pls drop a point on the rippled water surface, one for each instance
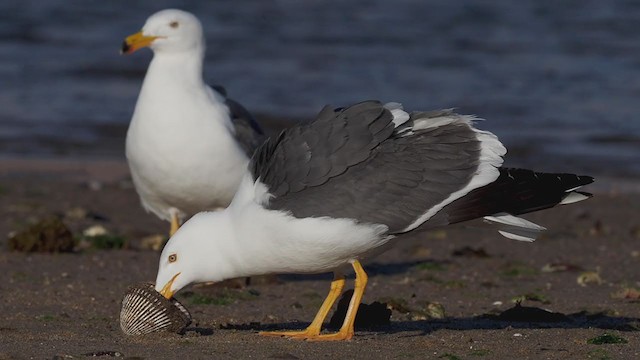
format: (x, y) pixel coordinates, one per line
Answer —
(558, 81)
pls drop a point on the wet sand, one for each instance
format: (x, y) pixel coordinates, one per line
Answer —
(67, 305)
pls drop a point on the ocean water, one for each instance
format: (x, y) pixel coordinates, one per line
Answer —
(557, 81)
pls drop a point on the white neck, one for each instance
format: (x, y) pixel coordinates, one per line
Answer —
(225, 249)
(185, 66)
(221, 252)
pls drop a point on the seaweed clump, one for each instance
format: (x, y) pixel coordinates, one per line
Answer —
(48, 235)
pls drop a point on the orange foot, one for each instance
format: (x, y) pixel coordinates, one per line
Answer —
(300, 335)
(309, 335)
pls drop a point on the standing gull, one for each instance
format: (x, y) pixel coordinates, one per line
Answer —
(188, 145)
(323, 196)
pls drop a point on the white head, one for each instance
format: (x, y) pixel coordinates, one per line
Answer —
(168, 31)
(197, 252)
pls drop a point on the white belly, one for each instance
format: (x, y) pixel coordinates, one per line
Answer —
(280, 243)
(179, 160)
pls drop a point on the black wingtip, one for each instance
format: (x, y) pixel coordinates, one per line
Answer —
(586, 179)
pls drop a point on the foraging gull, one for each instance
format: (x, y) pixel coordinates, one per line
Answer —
(321, 197)
(187, 145)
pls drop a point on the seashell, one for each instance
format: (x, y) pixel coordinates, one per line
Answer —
(144, 310)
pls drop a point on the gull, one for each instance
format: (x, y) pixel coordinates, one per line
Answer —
(323, 196)
(188, 145)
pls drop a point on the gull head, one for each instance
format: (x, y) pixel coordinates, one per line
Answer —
(197, 252)
(169, 30)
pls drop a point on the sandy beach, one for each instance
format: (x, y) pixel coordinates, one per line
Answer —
(584, 271)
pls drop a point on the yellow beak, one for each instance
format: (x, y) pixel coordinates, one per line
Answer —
(135, 42)
(166, 290)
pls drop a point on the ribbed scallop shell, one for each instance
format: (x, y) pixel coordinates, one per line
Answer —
(144, 310)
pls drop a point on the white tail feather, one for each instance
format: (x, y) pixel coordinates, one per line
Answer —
(573, 197)
(517, 237)
(515, 228)
(508, 219)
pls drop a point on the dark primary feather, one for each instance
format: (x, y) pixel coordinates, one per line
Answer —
(352, 163)
(249, 134)
(516, 191)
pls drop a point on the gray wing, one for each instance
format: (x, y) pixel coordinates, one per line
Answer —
(248, 134)
(353, 163)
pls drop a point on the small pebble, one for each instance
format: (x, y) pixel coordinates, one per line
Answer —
(435, 310)
(95, 230)
(95, 185)
(589, 277)
(76, 213)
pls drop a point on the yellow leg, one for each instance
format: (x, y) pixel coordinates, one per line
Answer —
(175, 224)
(346, 332)
(314, 329)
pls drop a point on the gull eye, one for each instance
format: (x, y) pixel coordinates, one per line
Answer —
(173, 258)
(174, 24)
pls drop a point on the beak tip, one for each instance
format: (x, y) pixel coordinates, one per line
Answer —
(166, 290)
(125, 48)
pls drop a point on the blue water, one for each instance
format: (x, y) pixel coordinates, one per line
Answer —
(558, 81)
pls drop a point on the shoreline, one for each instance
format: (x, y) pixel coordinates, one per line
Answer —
(82, 169)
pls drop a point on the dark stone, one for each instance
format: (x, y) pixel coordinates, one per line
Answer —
(369, 316)
(520, 313)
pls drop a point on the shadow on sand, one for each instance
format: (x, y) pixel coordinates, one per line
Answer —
(517, 317)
